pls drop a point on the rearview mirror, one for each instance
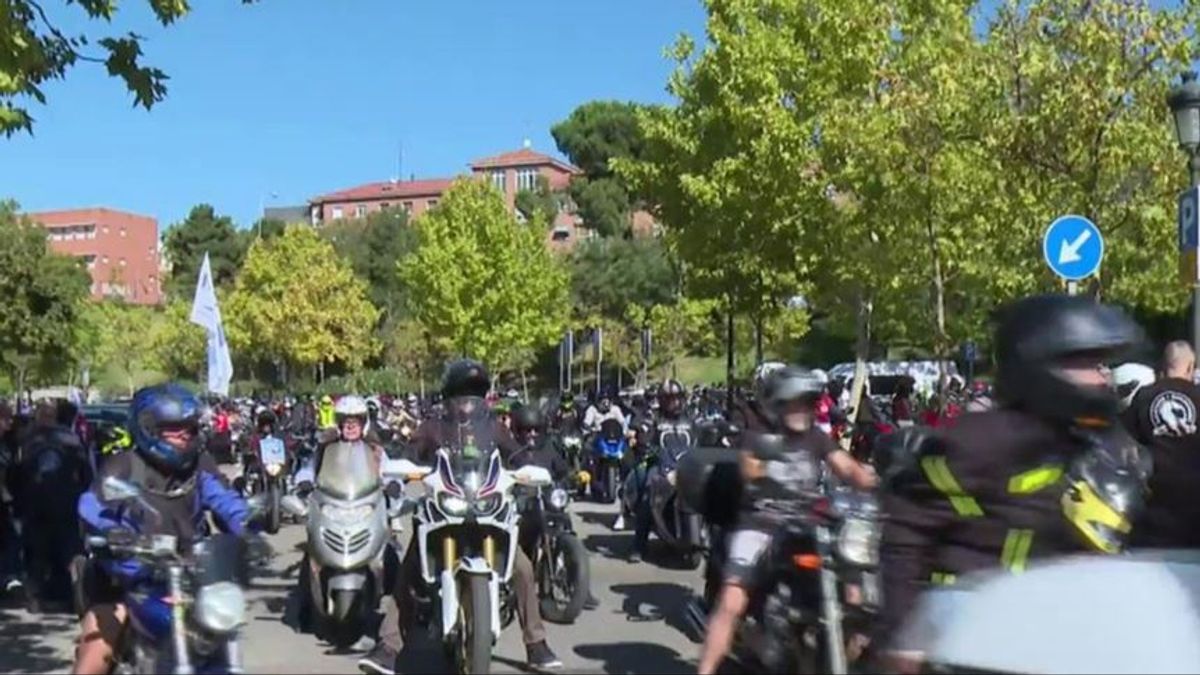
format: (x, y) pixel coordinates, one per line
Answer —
(294, 505)
(114, 489)
(532, 475)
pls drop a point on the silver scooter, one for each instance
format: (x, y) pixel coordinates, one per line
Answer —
(352, 529)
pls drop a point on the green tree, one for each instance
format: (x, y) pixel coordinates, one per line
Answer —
(603, 204)
(296, 302)
(483, 285)
(41, 294)
(124, 341)
(34, 51)
(1080, 126)
(597, 131)
(677, 330)
(266, 228)
(185, 244)
(180, 345)
(539, 204)
(608, 275)
(374, 245)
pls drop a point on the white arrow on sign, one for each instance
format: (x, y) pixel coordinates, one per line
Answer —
(1069, 252)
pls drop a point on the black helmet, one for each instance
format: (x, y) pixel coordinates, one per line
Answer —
(465, 377)
(528, 418)
(670, 397)
(789, 384)
(1036, 334)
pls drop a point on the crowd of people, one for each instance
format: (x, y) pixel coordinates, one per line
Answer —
(972, 477)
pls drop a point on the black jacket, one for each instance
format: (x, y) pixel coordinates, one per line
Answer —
(985, 493)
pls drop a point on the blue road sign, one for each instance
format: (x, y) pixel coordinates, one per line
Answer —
(1073, 247)
(1189, 219)
(970, 350)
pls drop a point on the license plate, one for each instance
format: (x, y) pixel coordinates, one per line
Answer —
(271, 451)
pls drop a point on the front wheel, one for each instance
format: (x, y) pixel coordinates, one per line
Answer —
(563, 578)
(475, 626)
(273, 510)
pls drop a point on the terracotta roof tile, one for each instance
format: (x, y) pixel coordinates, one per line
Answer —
(387, 189)
(522, 157)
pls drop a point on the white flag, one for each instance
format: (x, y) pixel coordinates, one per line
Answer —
(206, 313)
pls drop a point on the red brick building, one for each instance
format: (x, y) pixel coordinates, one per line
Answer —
(120, 249)
(510, 172)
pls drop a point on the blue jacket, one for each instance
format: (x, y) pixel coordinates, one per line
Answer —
(183, 504)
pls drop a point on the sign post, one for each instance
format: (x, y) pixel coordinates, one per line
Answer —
(1073, 248)
(1189, 261)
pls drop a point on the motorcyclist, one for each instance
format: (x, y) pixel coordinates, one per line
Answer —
(989, 492)
(52, 472)
(566, 417)
(791, 397)
(603, 410)
(661, 440)
(179, 481)
(326, 417)
(464, 386)
(375, 421)
(751, 414)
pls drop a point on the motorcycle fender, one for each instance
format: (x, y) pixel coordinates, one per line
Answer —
(350, 581)
(473, 565)
(448, 590)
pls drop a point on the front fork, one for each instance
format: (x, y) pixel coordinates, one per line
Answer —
(831, 605)
(183, 662)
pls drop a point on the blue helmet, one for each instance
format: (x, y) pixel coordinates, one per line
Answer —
(164, 405)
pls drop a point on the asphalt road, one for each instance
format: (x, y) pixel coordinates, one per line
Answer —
(638, 628)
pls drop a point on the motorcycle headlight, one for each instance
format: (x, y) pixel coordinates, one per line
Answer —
(558, 499)
(274, 469)
(572, 442)
(856, 542)
(671, 478)
(221, 607)
(347, 515)
(487, 505)
(452, 505)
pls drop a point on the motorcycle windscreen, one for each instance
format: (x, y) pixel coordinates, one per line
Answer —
(348, 471)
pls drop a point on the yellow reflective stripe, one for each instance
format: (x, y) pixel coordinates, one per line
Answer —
(1035, 479)
(938, 472)
(943, 579)
(1016, 550)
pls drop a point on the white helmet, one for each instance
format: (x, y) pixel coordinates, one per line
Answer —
(1128, 378)
(350, 406)
(762, 373)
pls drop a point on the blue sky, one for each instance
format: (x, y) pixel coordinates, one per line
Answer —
(299, 97)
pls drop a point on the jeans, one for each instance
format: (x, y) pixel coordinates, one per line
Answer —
(399, 613)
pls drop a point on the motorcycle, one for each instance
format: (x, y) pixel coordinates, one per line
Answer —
(560, 561)
(195, 625)
(467, 538)
(353, 524)
(678, 526)
(820, 586)
(610, 445)
(271, 479)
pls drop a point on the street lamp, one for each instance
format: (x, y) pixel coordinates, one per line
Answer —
(1185, 106)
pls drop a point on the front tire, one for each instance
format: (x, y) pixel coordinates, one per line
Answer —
(614, 479)
(273, 510)
(475, 626)
(564, 589)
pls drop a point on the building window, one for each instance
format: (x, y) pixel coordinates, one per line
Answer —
(337, 212)
(122, 232)
(122, 262)
(408, 207)
(498, 179)
(385, 205)
(527, 179)
(105, 260)
(360, 211)
(431, 203)
(90, 261)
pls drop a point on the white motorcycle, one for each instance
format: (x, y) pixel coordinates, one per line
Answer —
(353, 524)
(467, 539)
